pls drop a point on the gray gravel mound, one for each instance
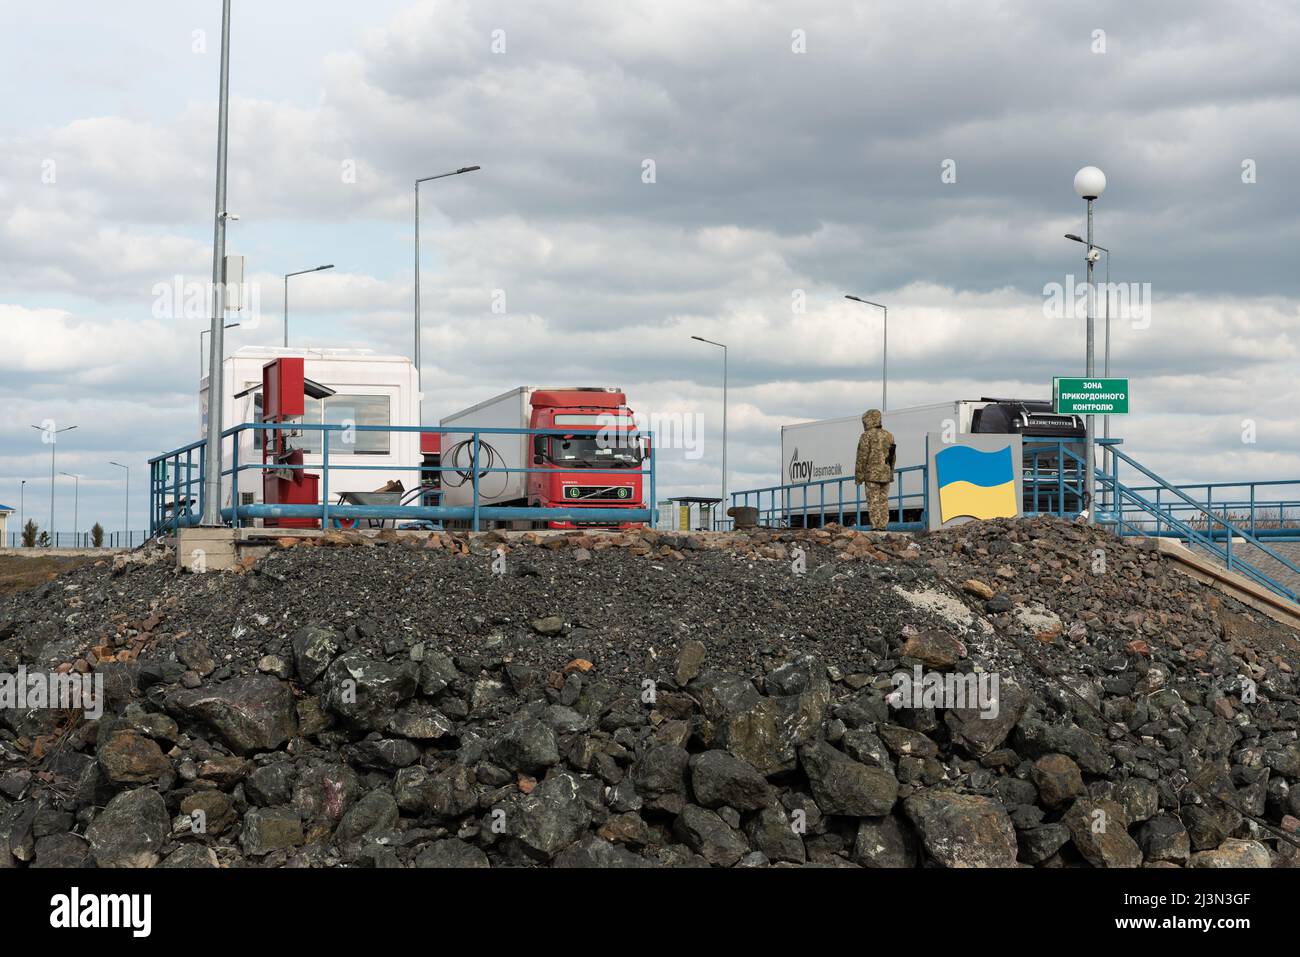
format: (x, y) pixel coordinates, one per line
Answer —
(1029, 693)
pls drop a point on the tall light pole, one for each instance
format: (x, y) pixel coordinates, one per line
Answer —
(76, 506)
(22, 507)
(300, 272)
(1106, 361)
(1090, 183)
(216, 386)
(52, 437)
(204, 332)
(724, 415)
(419, 377)
(126, 515)
(884, 353)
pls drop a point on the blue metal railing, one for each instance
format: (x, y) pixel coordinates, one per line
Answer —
(176, 487)
(1053, 485)
(1248, 504)
(837, 500)
(1135, 513)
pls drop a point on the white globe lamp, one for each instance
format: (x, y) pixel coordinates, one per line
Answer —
(1089, 182)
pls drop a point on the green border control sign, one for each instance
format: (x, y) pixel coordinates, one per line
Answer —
(1090, 396)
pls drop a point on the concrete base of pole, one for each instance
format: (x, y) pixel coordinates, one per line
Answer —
(201, 550)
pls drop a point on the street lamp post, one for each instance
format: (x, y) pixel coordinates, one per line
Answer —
(126, 512)
(884, 352)
(300, 272)
(724, 415)
(1106, 360)
(204, 332)
(52, 436)
(22, 508)
(419, 377)
(216, 399)
(76, 507)
(1090, 183)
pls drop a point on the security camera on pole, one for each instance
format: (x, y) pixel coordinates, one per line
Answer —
(1090, 183)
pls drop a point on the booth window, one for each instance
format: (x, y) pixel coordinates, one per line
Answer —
(348, 410)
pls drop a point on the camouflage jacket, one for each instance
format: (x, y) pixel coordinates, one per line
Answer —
(876, 452)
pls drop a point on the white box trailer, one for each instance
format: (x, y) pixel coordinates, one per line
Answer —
(510, 410)
(369, 389)
(812, 452)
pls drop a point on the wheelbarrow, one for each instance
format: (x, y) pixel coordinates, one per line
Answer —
(390, 494)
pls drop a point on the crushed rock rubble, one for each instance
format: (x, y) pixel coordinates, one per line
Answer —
(649, 699)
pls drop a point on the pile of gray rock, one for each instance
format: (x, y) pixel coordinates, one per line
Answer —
(1005, 694)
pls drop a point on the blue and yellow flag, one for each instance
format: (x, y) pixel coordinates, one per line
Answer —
(975, 483)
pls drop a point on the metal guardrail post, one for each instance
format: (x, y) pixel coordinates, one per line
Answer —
(176, 495)
(325, 479)
(234, 481)
(654, 501)
(1060, 487)
(474, 524)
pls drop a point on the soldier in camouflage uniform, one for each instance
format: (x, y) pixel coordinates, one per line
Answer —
(875, 467)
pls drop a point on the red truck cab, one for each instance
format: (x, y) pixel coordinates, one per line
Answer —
(600, 433)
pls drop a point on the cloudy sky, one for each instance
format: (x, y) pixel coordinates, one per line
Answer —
(919, 154)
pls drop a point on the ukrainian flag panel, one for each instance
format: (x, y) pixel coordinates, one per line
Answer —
(976, 484)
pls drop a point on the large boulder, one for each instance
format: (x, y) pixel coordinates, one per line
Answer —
(1035, 738)
(129, 758)
(377, 811)
(1099, 831)
(451, 853)
(1233, 853)
(764, 731)
(847, 787)
(719, 778)
(252, 713)
(659, 777)
(963, 830)
(885, 842)
(709, 836)
(549, 819)
(773, 832)
(323, 794)
(528, 745)
(980, 731)
(1164, 838)
(314, 648)
(367, 692)
(268, 829)
(593, 851)
(130, 831)
(1057, 778)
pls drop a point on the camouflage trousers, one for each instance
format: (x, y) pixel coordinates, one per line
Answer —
(878, 504)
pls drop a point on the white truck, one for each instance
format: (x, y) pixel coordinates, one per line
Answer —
(587, 468)
(821, 455)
